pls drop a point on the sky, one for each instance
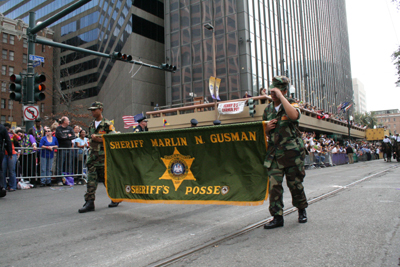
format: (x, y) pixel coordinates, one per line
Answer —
(374, 34)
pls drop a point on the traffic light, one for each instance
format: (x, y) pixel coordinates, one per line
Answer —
(252, 107)
(16, 87)
(120, 56)
(39, 87)
(168, 67)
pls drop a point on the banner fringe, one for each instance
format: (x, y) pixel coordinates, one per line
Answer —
(192, 202)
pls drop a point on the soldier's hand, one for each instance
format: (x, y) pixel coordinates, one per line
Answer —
(271, 124)
(277, 92)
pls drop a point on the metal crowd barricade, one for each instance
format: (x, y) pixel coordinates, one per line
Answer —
(66, 162)
(362, 157)
(308, 161)
(328, 159)
(319, 159)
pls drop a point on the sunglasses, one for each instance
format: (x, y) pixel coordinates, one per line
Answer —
(47, 131)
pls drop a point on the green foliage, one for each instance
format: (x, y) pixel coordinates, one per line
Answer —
(396, 54)
(367, 118)
(396, 62)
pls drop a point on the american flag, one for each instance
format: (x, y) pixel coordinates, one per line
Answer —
(129, 121)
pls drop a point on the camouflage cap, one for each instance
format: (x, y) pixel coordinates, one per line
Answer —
(96, 105)
(280, 82)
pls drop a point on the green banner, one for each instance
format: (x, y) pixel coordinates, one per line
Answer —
(198, 165)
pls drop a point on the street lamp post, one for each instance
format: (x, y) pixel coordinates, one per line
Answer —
(349, 120)
(210, 27)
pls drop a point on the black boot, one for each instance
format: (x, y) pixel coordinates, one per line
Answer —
(276, 222)
(88, 206)
(113, 204)
(302, 216)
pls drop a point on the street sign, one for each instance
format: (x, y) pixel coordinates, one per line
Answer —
(36, 58)
(36, 63)
(30, 112)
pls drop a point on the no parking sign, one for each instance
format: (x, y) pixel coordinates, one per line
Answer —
(31, 113)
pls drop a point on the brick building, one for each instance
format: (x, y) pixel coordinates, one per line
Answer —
(389, 119)
(14, 60)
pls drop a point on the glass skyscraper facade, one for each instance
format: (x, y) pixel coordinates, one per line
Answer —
(100, 25)
(255, 40)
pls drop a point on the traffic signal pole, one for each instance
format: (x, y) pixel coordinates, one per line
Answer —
(29, 89)
(91, 52)
(29, 94)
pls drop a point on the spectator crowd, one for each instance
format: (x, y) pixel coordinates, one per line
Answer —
(45, 152)
(322, 147)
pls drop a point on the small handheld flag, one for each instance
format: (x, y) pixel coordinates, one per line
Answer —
(165, 122)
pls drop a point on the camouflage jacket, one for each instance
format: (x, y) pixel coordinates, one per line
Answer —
(284, 143)
(105, 127)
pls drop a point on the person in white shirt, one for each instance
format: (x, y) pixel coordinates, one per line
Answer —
(397, 138)
(386, 139)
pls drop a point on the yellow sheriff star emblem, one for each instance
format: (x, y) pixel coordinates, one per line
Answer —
(178, 168)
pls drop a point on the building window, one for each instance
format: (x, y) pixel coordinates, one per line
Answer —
(12, 39)
(4, 54)
(24, 71)
(24, 58)
(3, 70)
(4, 87)
(25, 43)
(3, 119)
(5, 38)
(3, 103)
(12, 55)
(43, 48)
(42, 107)
(10, 119)
(10, 70)
(10, 104)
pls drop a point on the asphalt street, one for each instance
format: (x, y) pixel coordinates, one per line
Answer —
(358, 226)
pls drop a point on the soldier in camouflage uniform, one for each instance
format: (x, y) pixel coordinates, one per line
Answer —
(95, 161)
(285, 154)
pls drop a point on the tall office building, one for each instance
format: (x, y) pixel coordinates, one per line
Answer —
(360, 96)
(132, 27)
(254, 41)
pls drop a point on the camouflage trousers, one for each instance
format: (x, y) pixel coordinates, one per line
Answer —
(294, 180)
(95, 167)
(95, 175)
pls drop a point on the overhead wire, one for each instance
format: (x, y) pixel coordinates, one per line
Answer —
(391, 19)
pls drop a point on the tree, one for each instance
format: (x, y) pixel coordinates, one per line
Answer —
(396, 54)
(396, 62)
(64, 95)
(367, 119)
